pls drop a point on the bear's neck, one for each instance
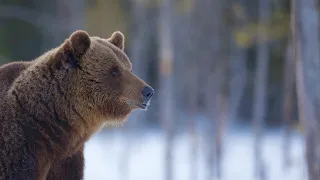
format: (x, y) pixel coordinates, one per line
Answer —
(47, 108)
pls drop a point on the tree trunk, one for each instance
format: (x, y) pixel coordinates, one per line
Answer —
(289, 78)
(193, 123)
(238, 78)
(213, 86)
(166, 86)
(222, 81)
(193, 89)
(211, 77)
(305, 30)
(261, 88)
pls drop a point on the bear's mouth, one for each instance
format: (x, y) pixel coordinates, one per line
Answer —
(140, 105)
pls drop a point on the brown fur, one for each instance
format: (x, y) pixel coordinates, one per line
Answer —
(50, 107)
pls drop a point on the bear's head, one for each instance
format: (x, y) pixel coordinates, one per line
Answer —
(102, 77)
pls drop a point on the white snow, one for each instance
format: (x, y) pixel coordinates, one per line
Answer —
(104, 155)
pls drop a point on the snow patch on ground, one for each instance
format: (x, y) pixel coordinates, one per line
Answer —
(104, 155)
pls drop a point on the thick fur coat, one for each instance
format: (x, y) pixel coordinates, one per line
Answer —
(49, 107)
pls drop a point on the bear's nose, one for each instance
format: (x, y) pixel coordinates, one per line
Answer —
(147, 92)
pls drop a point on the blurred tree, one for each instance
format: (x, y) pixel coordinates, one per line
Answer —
(288, 105)
(222, 79)
(213, 62)
(106, 16)
(208, 39)
(305, 28)
(261, 79)
(166, 81)
(246, 36)
(191, 62)
(186, 70)
(238, 69)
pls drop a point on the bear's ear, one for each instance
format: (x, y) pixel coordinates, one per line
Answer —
(117, 39)
(80, 43)
(71, 51)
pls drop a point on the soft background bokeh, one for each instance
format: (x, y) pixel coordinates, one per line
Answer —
(225, 103)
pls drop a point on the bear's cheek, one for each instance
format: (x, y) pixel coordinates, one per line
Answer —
(116, 110)
(111, 101)
(110, 96)
(125, 111)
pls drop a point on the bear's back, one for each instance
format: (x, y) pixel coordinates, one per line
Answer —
(8, 73)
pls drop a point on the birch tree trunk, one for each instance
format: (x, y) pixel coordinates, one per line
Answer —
(305, 30)
(238, 71)
(238, 82)
(289, 78)
(193, 123)
(212, 58)
(222, 82)
(166, 86)
(261, 81)
(193, 84)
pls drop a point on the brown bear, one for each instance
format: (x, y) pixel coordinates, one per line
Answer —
(49, 107)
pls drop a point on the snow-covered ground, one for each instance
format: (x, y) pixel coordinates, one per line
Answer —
(104, 155)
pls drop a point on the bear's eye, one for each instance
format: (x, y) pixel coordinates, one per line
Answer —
(115, 71)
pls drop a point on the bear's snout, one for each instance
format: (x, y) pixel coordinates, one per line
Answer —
(147, 93)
